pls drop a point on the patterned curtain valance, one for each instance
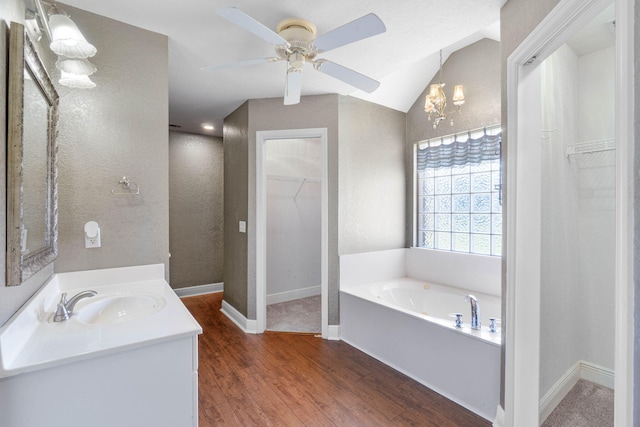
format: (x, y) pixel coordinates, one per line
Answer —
(459, 153)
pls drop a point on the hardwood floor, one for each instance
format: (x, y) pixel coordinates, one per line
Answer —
(279, 379)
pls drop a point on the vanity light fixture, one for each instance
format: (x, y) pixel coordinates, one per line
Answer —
(69, 44)
(81, 66)
(76, 81)
(66, 38)
(31, 25)
(436, 101)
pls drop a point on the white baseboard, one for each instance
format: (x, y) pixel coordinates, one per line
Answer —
(597, 374)
(248, 326)
(580, 370)
(499, 421)
(333, 333)
(293, 295)
(190, 291)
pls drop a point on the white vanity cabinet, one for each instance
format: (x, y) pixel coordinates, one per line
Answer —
(137, 373)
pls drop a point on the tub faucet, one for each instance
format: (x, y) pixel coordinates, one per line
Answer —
(65, 308)
(475, 311)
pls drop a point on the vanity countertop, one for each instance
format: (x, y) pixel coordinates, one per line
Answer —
(30, 340)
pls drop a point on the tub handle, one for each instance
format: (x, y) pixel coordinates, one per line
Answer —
(492, 325)
(458, 317)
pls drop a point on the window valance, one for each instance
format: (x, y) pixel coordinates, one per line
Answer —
(441, 153)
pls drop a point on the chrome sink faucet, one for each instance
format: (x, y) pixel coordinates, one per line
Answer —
(475, 311)
(65, 308)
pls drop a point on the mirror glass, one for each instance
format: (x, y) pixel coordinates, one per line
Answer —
(34, 167)
(31, 162)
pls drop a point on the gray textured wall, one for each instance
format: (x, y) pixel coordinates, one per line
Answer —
(372, 177)
(236, 175)
(313, 112)
(353, 126)
(196, 209)
(105, 133)
(117, 129)
(477, 68)
(636, 204)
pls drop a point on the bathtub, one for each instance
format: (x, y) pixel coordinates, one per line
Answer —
(405, 323)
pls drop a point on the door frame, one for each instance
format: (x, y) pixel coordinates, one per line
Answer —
(522, 315)
(261, 221)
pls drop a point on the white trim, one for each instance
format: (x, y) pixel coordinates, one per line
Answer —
(247, 326)
(190, 291)
(624, 332)
(261, 227)
(580, 370)
(294, 294)
(522, 315)
(558, 391)
(597, 374)
(333, 332)
(499, 420)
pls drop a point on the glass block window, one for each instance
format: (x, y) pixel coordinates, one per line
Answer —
(459, 207)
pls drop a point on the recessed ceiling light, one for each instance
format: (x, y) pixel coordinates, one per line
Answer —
(207, 126)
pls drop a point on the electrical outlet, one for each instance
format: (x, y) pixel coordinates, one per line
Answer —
(91, 235)
(92, 242)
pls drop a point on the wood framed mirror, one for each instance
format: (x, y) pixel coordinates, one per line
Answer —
(32, 172)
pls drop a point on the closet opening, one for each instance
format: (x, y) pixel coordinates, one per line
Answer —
(291, 234)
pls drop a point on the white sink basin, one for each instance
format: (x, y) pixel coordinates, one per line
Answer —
(118, 308)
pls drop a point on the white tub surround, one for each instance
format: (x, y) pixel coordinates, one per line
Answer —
(394, 306)
(433, 303)
(128, 356)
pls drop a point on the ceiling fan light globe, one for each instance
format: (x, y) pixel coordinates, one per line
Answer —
(296, 29)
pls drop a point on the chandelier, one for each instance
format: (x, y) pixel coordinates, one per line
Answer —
(436, 101)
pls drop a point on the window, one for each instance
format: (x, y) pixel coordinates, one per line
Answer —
(459, 204)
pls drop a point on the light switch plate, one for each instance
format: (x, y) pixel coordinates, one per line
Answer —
(242, 226)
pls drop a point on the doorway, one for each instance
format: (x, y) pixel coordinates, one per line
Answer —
(531, 318)
(294, 178)
(292, 231)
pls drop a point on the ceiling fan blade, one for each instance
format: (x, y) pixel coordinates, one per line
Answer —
(363, 27)
(347, 75)
(293, 87)
(241, 19)
(239, 64)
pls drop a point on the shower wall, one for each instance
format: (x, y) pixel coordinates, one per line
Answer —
(578, 200)
(294, 173)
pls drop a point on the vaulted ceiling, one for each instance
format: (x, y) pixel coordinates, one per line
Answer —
(404, 58)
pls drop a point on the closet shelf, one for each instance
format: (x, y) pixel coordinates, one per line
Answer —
(292, 178)
(591, 146)
(299, 179)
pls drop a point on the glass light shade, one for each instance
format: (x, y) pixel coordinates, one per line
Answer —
(434, 91)
(67, 40)
(458, 95)
(428, 106)
(79, 66)
(75, 81)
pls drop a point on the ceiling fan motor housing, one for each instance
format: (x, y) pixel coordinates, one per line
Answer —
(300, 33)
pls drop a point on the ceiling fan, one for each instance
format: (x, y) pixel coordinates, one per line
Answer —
(295, 41)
